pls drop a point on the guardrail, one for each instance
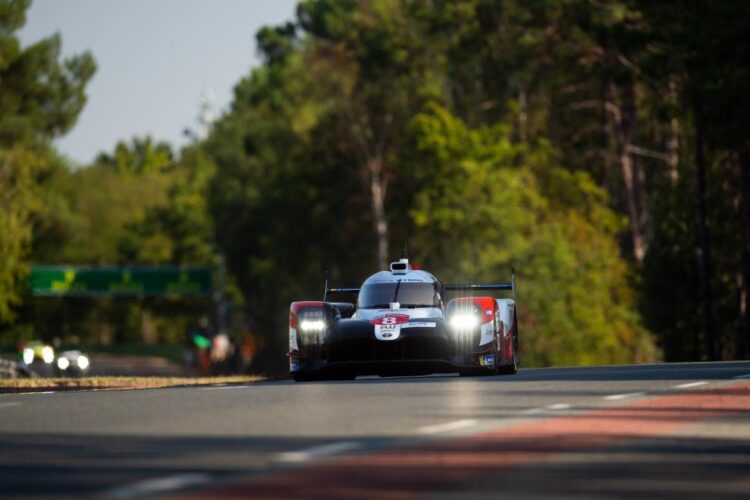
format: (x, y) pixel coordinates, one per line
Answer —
(12, 369)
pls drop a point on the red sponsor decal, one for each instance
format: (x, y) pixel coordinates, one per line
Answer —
(391, 319)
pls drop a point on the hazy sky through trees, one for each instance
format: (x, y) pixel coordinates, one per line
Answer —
(156, 59)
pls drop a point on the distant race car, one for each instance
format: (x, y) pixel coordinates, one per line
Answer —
(72, 363)
(35, 350)
(401, 326)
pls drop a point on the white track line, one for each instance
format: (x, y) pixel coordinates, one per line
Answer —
(29, 393)
(559, 406)
(9, 404)
(617, 397)
(318, 451)
(450, 426)
(747, 375)
(158, 485)
(223, 387)
(690, 384)
(533, 411)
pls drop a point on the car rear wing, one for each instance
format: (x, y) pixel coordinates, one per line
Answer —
(448, 288)
(341, 291)
(486, 287)
(338, 291)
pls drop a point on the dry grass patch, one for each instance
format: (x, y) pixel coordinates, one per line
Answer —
(53, 384)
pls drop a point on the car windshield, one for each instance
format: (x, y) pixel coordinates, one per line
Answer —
(380, 295)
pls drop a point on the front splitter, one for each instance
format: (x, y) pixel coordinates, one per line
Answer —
(396, 367)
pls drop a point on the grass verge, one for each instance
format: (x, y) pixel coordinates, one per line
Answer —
(103, 383)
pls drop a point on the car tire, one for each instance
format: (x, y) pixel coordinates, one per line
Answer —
(476, 372)
(512, 368)
(341, 376)
(305, 377)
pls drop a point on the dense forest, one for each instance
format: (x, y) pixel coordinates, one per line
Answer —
(600, 147)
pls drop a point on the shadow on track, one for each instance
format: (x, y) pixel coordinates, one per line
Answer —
(53, 465)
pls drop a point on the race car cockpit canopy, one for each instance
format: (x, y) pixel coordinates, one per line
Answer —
(406, 293)
(403, 285)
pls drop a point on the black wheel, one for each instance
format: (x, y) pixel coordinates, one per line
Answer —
(475, 372)
(340, 376)
(498, 355)
(305, 377)
(512, 368)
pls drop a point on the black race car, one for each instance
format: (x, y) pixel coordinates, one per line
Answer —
(400, 325)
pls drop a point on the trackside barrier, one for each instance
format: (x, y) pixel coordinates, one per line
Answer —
(11, 369)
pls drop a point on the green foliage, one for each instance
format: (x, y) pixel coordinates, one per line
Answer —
(177, 229)
(16, 202)
(558, 136)
(136, 206)
(278, 194)
(139, 157)
(488, 204)
(358, 82)
(41, 97)
(103, 202)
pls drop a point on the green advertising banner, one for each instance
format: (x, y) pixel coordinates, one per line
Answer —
(120, 281)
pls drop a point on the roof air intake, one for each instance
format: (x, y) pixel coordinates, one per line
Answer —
(400, 267)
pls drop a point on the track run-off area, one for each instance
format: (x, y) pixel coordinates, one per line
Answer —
(663, 430)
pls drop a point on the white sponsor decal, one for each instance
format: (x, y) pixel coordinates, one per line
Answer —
(389, 326)
(387, 332)
(488, 333)
(293, 339)
(420, 324)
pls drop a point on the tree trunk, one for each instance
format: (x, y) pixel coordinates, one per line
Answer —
(743, 340)
(673, 151)
(704, 247)
(148, 332)
(628, 178)
(673, 137)
(623, 121)
(523, 115)
(378, 188)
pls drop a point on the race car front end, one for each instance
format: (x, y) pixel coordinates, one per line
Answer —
(322, 345)
(391, 344)
(400, 326)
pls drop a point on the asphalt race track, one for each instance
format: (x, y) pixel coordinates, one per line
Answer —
(669, 430)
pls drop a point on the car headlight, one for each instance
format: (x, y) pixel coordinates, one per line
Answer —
(464, 321)
(312, 325)
(63, 363)
(48, 354)
(83, 362)
(28, 355)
